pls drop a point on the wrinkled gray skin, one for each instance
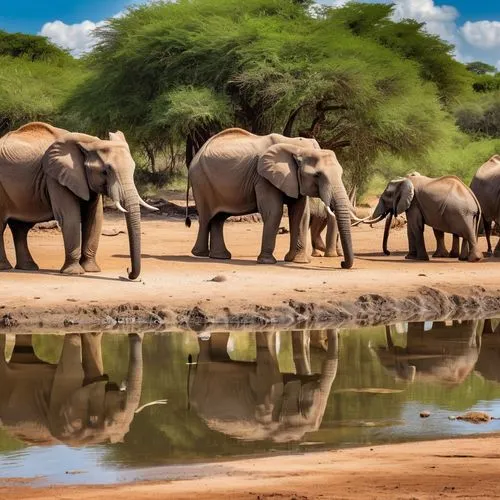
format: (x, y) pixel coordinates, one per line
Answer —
(486, 187)
(446, 204)
(48, 173)
(237, 173)
(488, 364)
(445, 354)
(253, 400)
(72, 401)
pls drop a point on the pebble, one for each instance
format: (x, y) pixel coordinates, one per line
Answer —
(424, 414)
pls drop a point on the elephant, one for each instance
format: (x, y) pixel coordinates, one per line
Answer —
(446, 354)
(71, 402)
(254, 400)
(237, 173)
(486, 187)
(488, 364)
(46, 173)
(445, 203)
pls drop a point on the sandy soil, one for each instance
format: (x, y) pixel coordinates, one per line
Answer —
(463, 468)
(177, 288)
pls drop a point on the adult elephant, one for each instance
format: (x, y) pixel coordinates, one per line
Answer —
(49, 173)
(445, 203)
(488, 364)
(237, 173)
(254, 400)
(486, 187)
(73, 401)
(446, 353)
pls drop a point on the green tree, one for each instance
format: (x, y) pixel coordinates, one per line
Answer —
(480, 68)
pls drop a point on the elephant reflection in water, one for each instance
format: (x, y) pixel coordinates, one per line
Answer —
(447, 353)
(70, 402)
(254, 400)
(488, 364)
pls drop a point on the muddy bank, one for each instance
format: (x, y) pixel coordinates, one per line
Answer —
(426, 303)
(460, 468)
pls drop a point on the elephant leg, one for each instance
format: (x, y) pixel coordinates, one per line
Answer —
(20, 230)
(416, 234)
(298, 217)
(218, 248)
(441, 251)
(464, 251)
(200, 248)
(93, 368)
(23, 351)
(301, 343)
(333, 247)
(316, 228)
(218, 346)
(455, 249)
(496, 252)
(69, 374)
(270, 205)
(473, 252)
(4, 262)
(92, 218)
(487, 233)
(66, 208)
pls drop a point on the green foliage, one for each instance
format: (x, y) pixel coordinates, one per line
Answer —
(480, 117)
(34, 90)
(32, 48)
(351, 77)
(486, 83)
(480, 68)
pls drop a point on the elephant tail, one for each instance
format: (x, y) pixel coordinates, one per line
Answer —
(188, 219)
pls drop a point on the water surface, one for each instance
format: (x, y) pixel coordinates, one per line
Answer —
(101, 408)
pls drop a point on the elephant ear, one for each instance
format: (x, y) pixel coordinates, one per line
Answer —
(279, 165)
(404, 197)
(66, 161)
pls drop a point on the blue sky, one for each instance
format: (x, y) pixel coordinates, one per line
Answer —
(473, 26)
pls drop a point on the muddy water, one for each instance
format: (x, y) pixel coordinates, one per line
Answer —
(102, 408)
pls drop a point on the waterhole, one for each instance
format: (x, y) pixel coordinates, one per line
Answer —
(108, 407)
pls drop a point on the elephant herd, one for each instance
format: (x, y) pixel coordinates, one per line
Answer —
(49, 173)
(74, 402)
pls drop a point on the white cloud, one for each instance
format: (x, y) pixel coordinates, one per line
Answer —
(440, 20)
(77, 38)
(482, 34)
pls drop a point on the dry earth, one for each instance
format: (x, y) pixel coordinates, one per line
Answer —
(461, 468)
(177, 289)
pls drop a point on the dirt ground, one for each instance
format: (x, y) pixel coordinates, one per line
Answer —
(462, 468)
(178, 288)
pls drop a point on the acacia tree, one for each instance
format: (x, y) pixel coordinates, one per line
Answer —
(181, 71)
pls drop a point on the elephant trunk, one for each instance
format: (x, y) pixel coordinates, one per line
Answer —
(131, 200)
(339, 203)
(134, 375)
(387, 228)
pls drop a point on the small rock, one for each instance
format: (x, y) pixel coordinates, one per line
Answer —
(475, 417)
(72, 300)
(425, 414)
(70, 322)
(219, 278)
(422, 274)
(299, 290)
(283, 230)
(452, 417)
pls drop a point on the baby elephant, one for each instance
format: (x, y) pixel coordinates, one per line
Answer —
(446, 204)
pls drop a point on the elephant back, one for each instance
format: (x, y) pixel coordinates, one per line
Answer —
(27, 145)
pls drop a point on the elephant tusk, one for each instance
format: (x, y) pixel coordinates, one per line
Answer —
(152, 403)
(145, 205)
(330, 211)
(374, 221)
(119, 207)
(358, 221)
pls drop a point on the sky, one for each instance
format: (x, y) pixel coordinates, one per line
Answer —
(472, 26)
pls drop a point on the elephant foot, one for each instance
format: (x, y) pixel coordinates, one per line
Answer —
(411, 256)
(29, 265)
(423, 257)
(266, 259)
(5, 265)
(316, 253)
(475, 256)
(333, 253)
(489, 253)
(441, 254)
(73, 268)
(200, 253)
(454, 255)
(90, 266)
(496, 253)
(220, 255)
(301, 258)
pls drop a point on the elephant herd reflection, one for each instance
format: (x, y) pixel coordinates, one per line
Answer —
(263, 397)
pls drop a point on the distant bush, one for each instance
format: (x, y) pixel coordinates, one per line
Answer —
(481, 117)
